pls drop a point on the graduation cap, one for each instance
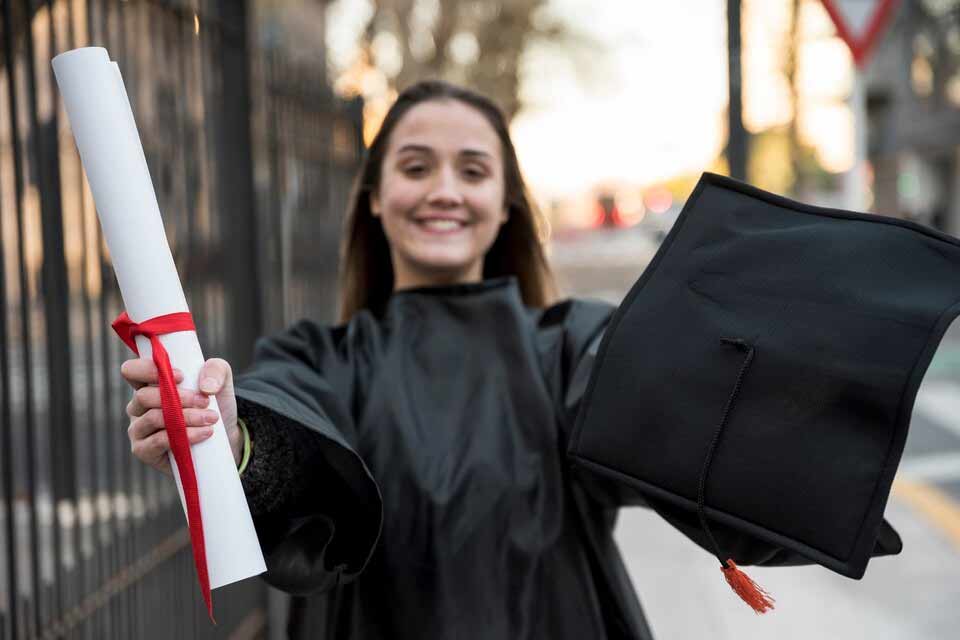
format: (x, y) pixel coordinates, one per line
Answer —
(762, 371)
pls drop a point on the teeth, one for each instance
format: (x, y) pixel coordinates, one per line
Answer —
(442, 225)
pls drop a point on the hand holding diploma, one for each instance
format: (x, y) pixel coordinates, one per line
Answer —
(149, 441)
(157, 324)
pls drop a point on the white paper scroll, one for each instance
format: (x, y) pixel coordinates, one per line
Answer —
(106, 134)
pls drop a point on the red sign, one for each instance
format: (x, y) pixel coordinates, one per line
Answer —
(860, 23)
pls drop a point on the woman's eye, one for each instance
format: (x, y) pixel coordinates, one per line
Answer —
(414, 170)
(474, 173)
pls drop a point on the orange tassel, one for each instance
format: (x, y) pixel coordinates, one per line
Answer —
(748, 590)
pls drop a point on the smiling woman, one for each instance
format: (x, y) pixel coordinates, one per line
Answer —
(407, 469)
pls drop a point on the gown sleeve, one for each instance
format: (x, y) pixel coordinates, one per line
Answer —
(584, 323)
(570, 334)
(316, 507)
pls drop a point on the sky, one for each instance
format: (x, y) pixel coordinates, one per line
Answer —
(655, 110)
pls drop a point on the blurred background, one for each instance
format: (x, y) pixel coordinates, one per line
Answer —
(253, 115)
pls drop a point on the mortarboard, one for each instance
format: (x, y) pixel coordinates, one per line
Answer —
(761, 373)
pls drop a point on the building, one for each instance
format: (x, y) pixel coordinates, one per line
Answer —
(913, 106)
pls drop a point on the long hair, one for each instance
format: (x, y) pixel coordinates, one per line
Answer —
(366, 274)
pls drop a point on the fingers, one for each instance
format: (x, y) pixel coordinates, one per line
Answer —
(153, 449)
(149, 440)
(215, 374)
(140, 372)
(148, 397)
(152, 421)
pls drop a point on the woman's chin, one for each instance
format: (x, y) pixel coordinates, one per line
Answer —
(443, 259)
(445, 269)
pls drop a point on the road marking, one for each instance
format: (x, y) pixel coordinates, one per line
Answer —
(934, 467)
(939, 402)
(935, 505)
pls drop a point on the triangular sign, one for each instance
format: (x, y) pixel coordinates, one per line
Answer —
(860, 23)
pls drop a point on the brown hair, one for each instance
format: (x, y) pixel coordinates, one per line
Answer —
(366, 276)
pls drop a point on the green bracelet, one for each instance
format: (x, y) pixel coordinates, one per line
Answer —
(247, 446)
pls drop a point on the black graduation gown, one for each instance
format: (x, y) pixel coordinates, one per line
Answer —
(437, 500)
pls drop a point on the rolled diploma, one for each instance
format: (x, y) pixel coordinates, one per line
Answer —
(106, 134)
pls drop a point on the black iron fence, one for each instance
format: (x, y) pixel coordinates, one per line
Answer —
(251, 158)
(303, 177)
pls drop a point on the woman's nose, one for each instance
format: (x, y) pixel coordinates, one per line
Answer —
(446, 189)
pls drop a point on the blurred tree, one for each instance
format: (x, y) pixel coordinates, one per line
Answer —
(777, 159)
(477, 43)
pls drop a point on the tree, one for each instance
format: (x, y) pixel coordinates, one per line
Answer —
(477, 43)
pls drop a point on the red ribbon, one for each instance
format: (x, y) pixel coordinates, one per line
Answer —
(175, 425)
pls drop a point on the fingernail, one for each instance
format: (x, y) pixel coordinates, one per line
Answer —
(207, 432)
(208, 384)
(177, 373)
(210, 417)
(202, 400)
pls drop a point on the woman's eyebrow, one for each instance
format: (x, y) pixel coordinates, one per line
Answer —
(421, 148)
(415, 147)
(475, 153)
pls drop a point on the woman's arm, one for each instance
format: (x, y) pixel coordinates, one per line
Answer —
(316, 507)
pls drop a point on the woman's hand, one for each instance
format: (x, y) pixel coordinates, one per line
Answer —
(147, 431)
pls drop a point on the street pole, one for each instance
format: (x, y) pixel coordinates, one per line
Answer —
(737, 135)
(793, 45)
(861, 24)
(855, 180)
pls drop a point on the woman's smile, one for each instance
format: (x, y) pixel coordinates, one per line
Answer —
(440, 225)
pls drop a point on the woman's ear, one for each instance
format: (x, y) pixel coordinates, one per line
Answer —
(374, 204)
(505, 214)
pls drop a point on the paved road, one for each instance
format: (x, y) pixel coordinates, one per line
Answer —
(915, 595)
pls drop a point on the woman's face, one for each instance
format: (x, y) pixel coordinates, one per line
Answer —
(441, 194)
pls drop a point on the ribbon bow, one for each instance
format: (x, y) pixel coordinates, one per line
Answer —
(175, 425)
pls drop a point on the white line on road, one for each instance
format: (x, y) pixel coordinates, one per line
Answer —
(936, 467)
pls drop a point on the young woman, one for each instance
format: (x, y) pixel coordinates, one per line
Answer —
(408, 475)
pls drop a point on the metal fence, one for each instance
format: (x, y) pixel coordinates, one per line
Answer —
(303, 176)
(92, 543)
